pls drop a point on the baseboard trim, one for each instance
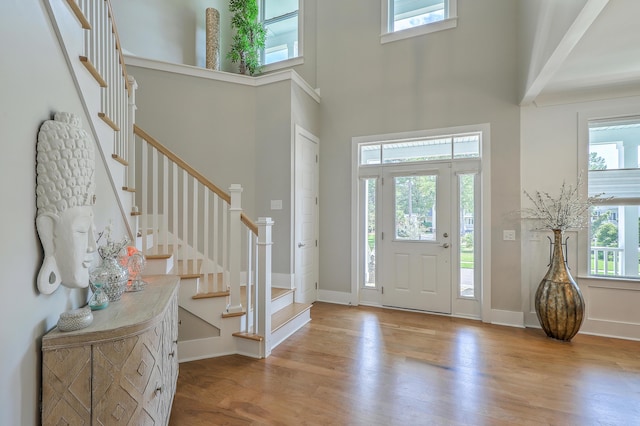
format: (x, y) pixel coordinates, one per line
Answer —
(508, 318)
(338, 297)
(193, 350)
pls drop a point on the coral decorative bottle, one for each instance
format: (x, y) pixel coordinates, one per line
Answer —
(559, 301)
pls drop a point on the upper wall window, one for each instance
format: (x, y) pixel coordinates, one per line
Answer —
(281, 20)
(409, 18)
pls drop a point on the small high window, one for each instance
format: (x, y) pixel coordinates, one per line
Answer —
(281, 20)
(409, 18)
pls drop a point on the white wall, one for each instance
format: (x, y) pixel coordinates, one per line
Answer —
(210, 124)
(231, 133)
(461, 76)
(273, 166)
(551, 137)
(174, 31)
(171, 30)
(35, 83)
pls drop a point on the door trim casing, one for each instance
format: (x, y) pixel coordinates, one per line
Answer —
(485, 205)
(300, 131)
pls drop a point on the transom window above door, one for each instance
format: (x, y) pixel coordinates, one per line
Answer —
(409, 18)
(454, 147)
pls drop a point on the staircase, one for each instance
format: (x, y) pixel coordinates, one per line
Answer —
(183, 223)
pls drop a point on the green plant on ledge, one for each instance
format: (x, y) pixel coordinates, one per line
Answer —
(249, 36)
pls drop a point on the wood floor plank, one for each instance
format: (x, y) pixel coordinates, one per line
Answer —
(369, 366)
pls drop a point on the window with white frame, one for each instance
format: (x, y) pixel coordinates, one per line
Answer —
(409, 18)
(281, 20)
(614, 170)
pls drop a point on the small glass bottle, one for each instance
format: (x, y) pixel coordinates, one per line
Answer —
(99, 299)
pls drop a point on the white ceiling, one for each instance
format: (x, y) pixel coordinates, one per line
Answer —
(605, 59)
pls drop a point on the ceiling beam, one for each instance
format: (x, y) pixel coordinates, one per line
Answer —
(576, 31)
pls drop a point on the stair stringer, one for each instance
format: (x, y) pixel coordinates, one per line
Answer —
(71, 38)
(210, 310)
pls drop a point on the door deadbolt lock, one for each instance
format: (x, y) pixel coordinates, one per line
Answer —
(300, 245)
(446, 234)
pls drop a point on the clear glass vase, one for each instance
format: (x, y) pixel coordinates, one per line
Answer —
(110, 277)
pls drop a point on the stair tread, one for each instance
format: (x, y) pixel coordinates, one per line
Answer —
(158, 255)
(288, 313)
(250, 336)
(211, 295)
(277, 292)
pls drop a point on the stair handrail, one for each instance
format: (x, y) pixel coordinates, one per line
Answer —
(193, 172)
(118, 48)
(256, 303)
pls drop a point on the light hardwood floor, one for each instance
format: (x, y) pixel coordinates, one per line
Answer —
(369, 366)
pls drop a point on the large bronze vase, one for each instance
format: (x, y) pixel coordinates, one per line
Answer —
(559, 302)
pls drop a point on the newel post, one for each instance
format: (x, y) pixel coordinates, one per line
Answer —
(264, 282)
(235, 248)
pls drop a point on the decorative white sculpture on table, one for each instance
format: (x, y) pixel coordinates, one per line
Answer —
(65, 196)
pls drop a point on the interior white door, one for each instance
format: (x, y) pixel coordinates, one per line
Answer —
(416, 242)
(306, 216)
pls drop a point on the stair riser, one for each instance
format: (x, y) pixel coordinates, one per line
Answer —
(209, 310)
(248, 347)
(158, 266)
(282, 302)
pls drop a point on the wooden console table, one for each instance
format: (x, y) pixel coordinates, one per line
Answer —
(122, 369)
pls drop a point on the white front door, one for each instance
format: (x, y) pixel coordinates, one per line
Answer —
(415, 265)
(306, 216)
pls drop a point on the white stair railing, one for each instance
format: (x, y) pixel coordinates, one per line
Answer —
(204, 226)
(103, 58)
(107, 91)
(199, 224)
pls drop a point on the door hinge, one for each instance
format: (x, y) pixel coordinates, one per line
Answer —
(316, 286)
(382, 290)
(316, 243)
(382, 235)
(316, 201)
(316, 158)
(382, 180)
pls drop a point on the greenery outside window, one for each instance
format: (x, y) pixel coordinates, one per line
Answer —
(409, 18)
(614, 169)
(281, 20)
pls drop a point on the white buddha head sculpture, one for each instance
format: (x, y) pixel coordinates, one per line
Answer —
(65, 196)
